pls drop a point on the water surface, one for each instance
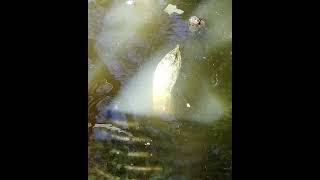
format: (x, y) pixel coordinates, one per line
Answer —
(126, 42)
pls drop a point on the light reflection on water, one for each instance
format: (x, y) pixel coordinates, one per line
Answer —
(125, 44)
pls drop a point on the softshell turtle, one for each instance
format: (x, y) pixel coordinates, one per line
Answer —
(164, 79)
(196, 24)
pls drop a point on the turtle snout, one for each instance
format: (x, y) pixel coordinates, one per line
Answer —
(196, 22)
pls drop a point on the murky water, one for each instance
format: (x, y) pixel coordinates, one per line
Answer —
(126, 42)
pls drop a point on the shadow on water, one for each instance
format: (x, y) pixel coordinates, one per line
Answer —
(129, 145)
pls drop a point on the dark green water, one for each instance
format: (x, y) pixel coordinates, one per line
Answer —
(125, 44)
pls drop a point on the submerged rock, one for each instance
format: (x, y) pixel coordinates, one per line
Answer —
(170, 9)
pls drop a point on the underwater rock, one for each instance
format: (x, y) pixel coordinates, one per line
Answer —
(170, 9)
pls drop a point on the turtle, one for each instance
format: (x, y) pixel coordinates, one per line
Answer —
(196, 24)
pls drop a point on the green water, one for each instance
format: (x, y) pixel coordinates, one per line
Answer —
(125, 44)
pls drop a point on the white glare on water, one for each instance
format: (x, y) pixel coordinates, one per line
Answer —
(136, 97)
(130, 2)
(121, 22)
